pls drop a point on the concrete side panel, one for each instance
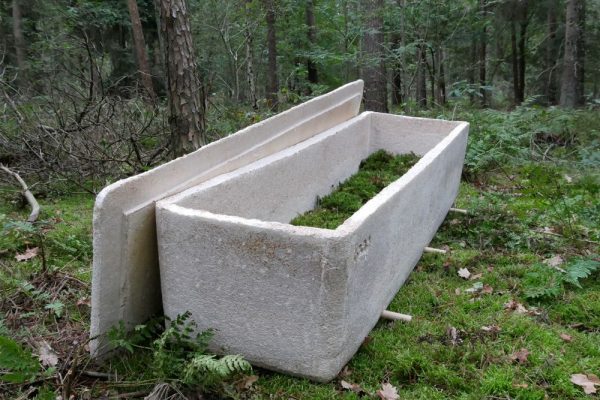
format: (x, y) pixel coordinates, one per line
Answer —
(388, 233)
(125, 282)
(281, 186)
(271, 292)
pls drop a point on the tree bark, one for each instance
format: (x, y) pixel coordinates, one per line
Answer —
(250, 77)
(373, 70)
(522, 44)
(18, 36)
(139, 45)
(550, 81)
(272, 78)
(186, 104)
(571, 93)
(312, 40)
(483, 56)
(421, 91)
(441, 78)
(515, 63)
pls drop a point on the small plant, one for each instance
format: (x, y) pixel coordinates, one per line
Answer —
(17, 365)
(179, 354)
(543, 282)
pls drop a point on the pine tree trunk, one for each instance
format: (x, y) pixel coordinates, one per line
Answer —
(521, 52)
(550, 81)
(139, 45)
(272, 79)
(421, 91)
(515, 63)
(312, 40)
(185, 101)
(250, 78)
(571, 93)
(483, 56)
(441, 78)
(18, 36)
(373, 70)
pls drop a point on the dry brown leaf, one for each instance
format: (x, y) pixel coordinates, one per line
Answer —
(520, 356)
(464, 273)
(516, 307)
(487, 289)
(587, 382)
(351, 386)
(566, 338)
(475, 277)
(457, 291)
(453, 336)
(29, 254)
(491, 328)
(47, 356)
(388, 392)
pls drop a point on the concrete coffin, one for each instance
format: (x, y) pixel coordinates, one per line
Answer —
(300, 300)
(125, 281)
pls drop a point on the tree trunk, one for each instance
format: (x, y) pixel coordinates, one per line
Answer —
(139, 45)
(397, 73)
(18, 36)
(185, 101)
(373, 70)
(421, 92)
(571, 93)
(250, 78)
(522, 42)
(272, 79)
(441, 78)
(550, 81)
(312, 40)
(483, 56)
(515, 63)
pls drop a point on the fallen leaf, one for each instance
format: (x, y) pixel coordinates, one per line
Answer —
(487, 289)
(587, 382)
(477, 287)
(554, 262)
(47, 356)
(491, 328)
(566, 338)
(453, 335)
(351, 386)
(490, 268)
(516, 307)
(84, 301)
(464, 273)
(345, 372)
(474, 277)
(568, 178)
(29, 254)
(457, 291)
(520, 356)
(388, 392)
(246, 382)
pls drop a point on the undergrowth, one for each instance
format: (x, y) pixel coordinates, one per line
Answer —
(374, 173)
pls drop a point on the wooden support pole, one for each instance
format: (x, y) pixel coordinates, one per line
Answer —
(459, 210)
(394, 316)
(432, 250)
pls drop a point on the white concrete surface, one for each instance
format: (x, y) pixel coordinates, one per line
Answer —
(300, 300)
(125, 281)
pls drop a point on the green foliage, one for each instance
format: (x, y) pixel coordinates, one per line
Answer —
(543, 282)
(375, 173)
(178, 354)
(17, 365)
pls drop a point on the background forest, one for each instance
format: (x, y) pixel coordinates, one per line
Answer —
(92, 91)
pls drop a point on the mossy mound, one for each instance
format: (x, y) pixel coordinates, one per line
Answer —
(375, 172)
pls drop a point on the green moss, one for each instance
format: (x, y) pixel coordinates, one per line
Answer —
(375, 173)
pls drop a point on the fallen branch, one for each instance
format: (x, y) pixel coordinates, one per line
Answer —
(35, 207)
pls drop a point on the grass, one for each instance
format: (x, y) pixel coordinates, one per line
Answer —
(466, 333)
(374, 173)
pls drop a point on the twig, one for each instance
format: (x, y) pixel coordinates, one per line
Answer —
(96, 374)
(35, 207)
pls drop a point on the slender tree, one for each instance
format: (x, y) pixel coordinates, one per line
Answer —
(483, 54)
(571, 92)
(18, 36)
(139, 45)
(373, 69)
(186, 104)
(421, 90)
(311, 67)
(272, 78)
(248, 43)
(550, 76)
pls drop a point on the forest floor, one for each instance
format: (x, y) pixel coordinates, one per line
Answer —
(512, 311)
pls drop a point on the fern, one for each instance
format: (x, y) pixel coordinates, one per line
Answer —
(205, 368)
(580, 269)
(542, 284)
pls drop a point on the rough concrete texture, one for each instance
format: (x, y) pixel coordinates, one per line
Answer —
(125, 281)
(300, 300)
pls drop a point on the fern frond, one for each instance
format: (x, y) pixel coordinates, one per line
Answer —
(236, 363)
(580, 269)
